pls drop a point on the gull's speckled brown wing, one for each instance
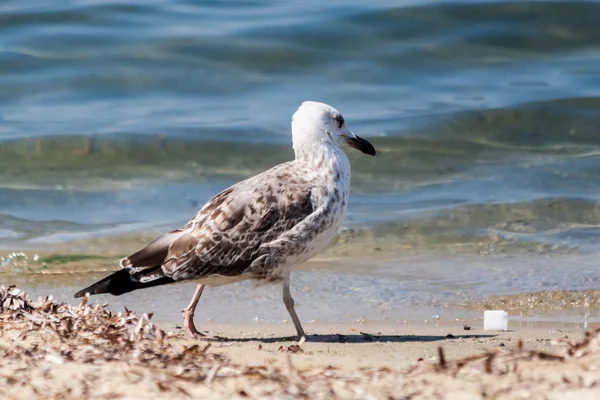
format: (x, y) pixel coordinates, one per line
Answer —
(226, 235)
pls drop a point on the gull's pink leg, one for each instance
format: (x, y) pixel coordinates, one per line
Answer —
(188, 315)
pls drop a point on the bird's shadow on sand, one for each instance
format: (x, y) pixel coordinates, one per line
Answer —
(355, 338)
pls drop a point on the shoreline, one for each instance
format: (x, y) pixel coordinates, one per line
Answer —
(331, 290)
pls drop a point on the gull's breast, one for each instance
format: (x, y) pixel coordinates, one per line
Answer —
(324, 229)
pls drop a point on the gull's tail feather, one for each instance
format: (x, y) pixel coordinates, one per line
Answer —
(122, 282)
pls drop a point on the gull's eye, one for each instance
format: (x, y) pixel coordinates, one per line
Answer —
(340, 121)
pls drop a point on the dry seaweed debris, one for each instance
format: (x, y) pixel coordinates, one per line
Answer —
(92, 334)
(504, 361)
(589, 345)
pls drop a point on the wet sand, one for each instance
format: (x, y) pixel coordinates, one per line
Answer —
(336, 289)
(542, 302)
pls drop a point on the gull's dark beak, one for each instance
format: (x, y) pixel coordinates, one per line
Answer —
(360, 144)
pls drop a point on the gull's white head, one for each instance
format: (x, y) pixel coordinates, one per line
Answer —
(316, 126)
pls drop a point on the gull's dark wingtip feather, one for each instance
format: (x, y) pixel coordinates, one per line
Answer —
(122, 282)
(116, 282)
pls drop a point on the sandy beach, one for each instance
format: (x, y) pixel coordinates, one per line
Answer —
(53, 350)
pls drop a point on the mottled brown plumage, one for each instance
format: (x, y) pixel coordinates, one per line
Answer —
(231, 233)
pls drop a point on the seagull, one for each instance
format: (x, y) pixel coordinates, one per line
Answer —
(259, 228)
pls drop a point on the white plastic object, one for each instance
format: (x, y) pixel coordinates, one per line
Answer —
(495, 320)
